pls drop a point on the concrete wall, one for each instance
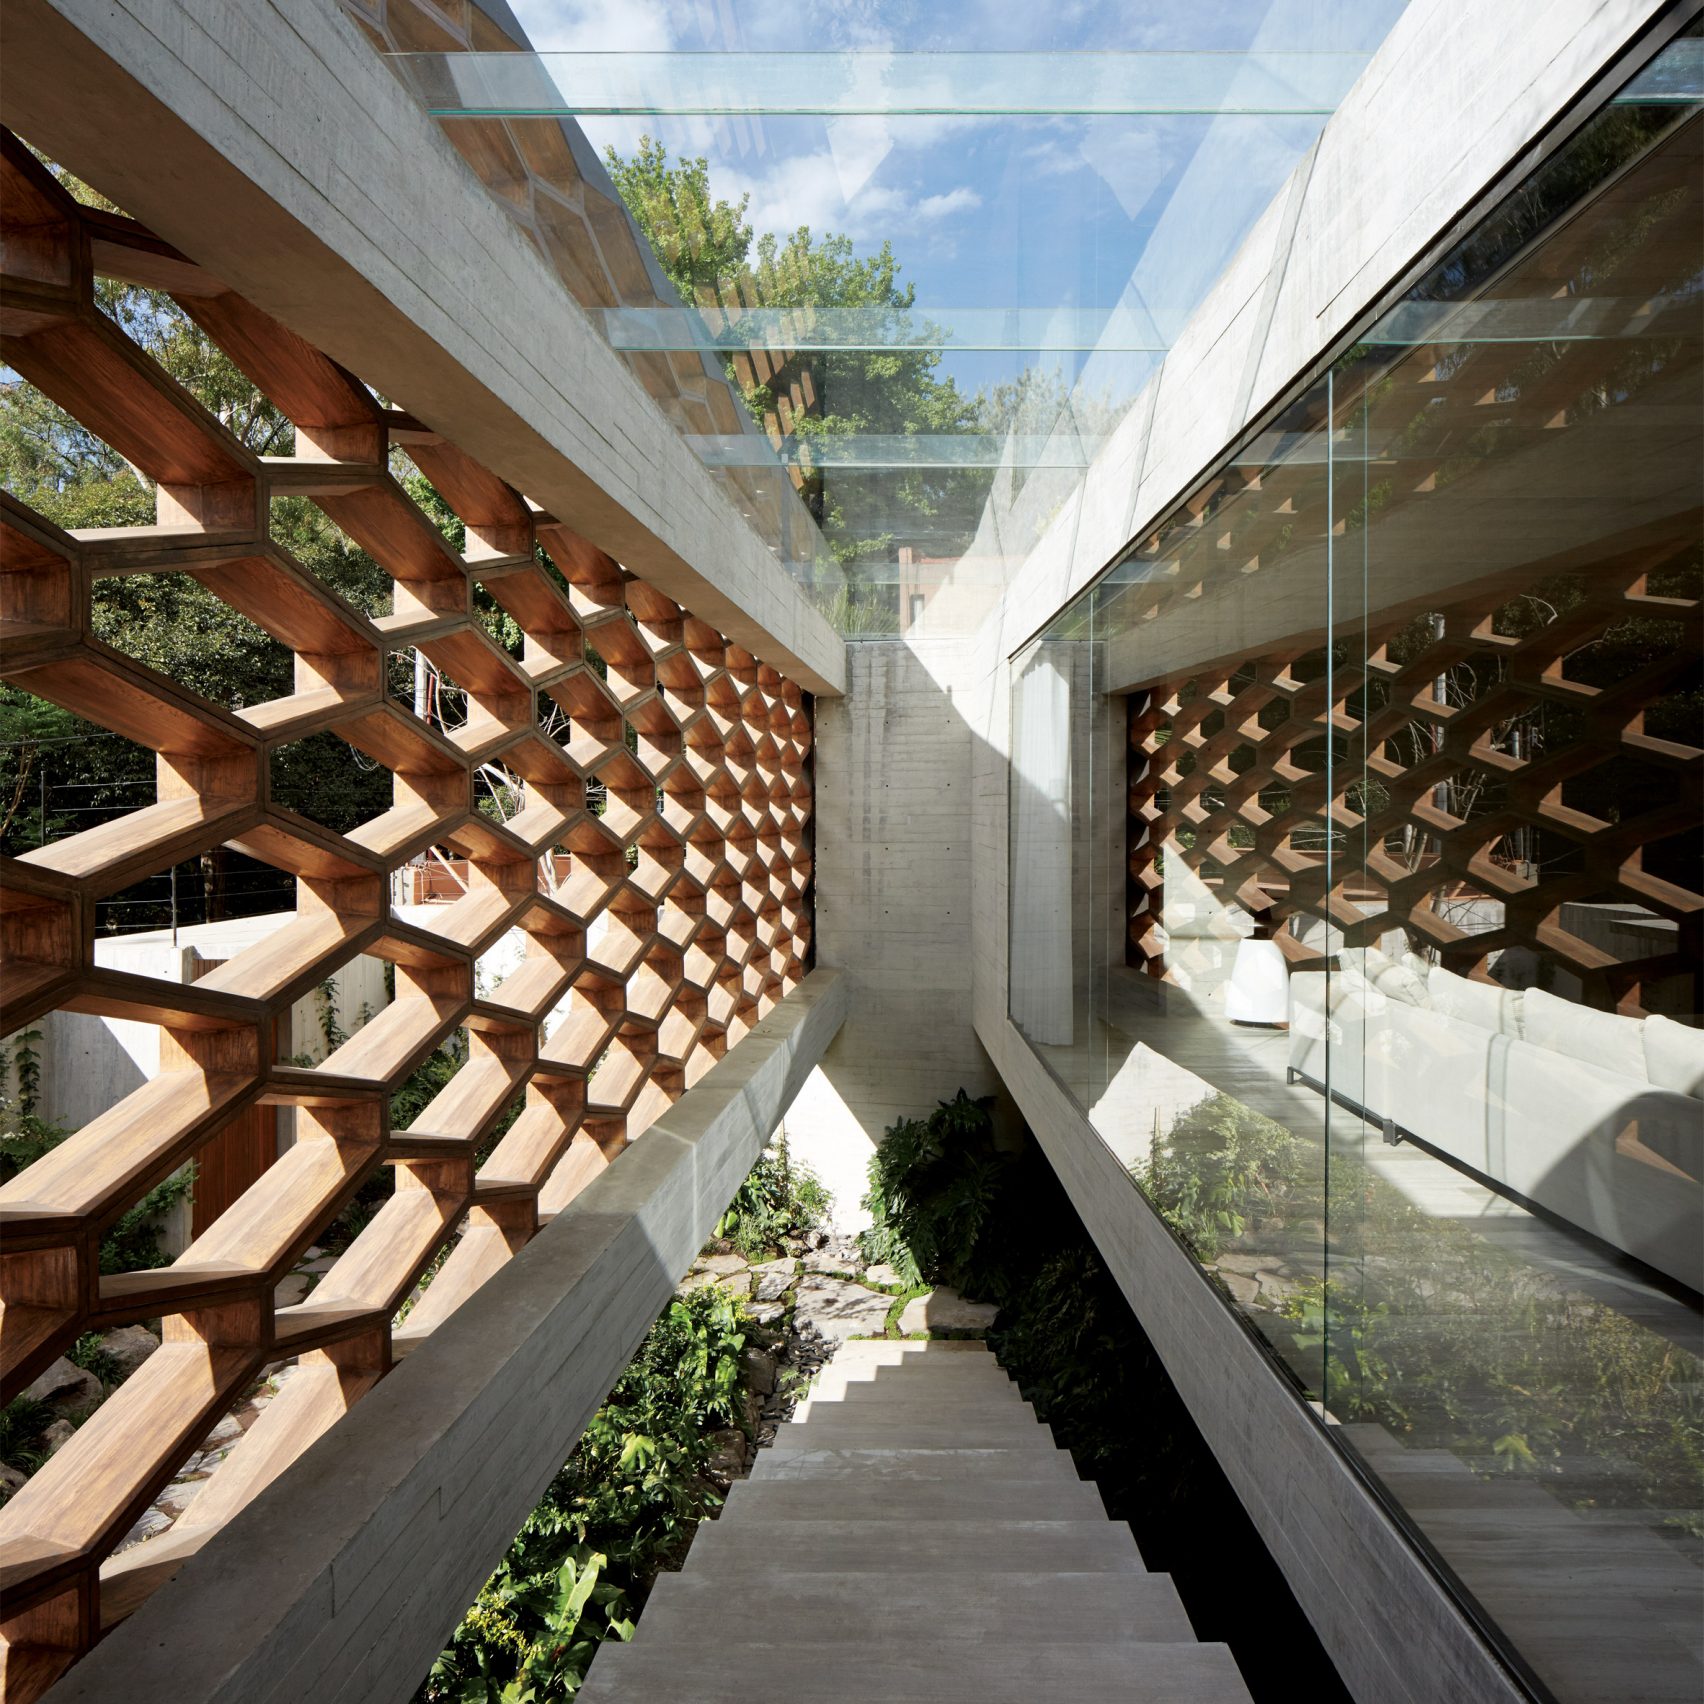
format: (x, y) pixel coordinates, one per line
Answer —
(893, 911)
(341, 1581)
(283, 155)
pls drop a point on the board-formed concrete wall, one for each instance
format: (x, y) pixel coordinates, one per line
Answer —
(341, 1581)
(894, 762)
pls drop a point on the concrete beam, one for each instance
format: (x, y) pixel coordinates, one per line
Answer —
(274, 147)
(1394, 1634)
(342, 1581)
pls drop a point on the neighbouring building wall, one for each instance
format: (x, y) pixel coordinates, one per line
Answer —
(895, 759)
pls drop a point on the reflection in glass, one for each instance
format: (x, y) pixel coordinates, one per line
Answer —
(1392, 738)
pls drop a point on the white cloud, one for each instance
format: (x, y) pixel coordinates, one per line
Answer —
(595, 26)
(960, 200)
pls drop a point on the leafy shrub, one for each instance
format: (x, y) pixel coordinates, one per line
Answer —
(934, 1184)
(623, 1506)
(88, 1354)
(778, 1199)
(1221, 1167)
(22, 1422)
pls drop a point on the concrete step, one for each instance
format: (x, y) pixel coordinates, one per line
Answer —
(860, 1546)
(919, 1387)
(876, 1467)
(925, 1404)
(945, 1402)
(950, 1417)
(896, 1352)
(733, 1671)
(952, 1372)
(1042, 1499)
(902, 1604)
(843, 1434)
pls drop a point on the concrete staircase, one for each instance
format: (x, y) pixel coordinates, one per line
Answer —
(914, 1533)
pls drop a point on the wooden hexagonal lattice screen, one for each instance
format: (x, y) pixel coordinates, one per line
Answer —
(1484, 779)
(654, 849)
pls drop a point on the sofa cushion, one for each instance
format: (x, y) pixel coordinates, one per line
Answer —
(1485, 1005)
(1674, 1056)
(1395, 980)
(1602, 1039)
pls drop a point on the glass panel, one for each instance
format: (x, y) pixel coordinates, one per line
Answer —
(916, 288)
(1516, 1224)
(1357, 837)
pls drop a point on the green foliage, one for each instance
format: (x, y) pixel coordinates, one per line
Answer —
(712, 254)
(88, 1354)
(777, 1199)
(22, 1422)
(623, 1506)
(1428, 1329)
(934, 1183)
(133, 1243)
(1221, 1167)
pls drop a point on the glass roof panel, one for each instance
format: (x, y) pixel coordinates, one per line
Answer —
(932, 280)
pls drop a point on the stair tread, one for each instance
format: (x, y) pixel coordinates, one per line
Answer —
(949, 1500)
(877, 1467)
(1181, 1672)
(841, 1608)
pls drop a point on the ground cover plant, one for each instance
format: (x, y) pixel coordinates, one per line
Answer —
(1417, 1324)
(626, 1502)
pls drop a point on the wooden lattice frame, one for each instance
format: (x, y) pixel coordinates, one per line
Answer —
(1205, 750)
(700, 864)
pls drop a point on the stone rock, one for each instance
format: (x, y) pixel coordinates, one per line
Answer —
(226, 1433)
(787, 1263)
(827, 1260)
(944, 1309)
(319, 1265)
(153, 1521)
(817, 1239)
(736, 1284)
(885, 1276)
(772, 1284)
(67, 1389)
(760, 1370)
(720, 1264)
(12, 1480)
(839, 1309)
(178, 1496)
(1243, 1289)
(58, 1435)
(130, 1346)
(1247, 1264)
(768, 1313)
(292, 1288)
(728, 1453)
(695, 1281)
(751, 1408)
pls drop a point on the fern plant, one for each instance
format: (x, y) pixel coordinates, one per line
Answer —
(934, 1186)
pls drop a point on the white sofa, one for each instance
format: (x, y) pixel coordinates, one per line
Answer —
(1597, 1118)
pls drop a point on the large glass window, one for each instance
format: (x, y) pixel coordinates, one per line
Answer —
(1356, 826)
